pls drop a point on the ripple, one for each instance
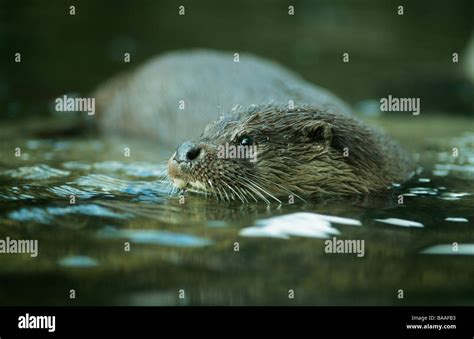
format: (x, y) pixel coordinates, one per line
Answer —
(67, 191)
(455, 219)
(461, 165)
(31, 214)
(424, 191)
(338, 220)
(88, 209)
(302, 224)
(400, 222)
(136, 169)
(38, 172)
(47, 215)
(13, 194)
(453, 195)
(156, 237)
(78, 261)
(449, 249)
(98, 183)
(104, 184)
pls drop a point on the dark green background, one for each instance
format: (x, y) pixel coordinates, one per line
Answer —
(405, 55)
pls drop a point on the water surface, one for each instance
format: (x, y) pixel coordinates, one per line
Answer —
(109, 228)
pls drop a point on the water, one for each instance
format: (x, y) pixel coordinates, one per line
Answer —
(108, 228)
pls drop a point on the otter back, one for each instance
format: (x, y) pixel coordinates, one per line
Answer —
(174, 96)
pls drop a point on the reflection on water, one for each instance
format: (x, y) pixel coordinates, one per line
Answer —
(450, 249)
(111, 228)
(46, 215)
(310, 225)
(78, 261)
(155, 237)
(400, 222)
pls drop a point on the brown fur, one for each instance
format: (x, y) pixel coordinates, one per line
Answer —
(300, 152)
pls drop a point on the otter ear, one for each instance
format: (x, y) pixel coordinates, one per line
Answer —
(318, 131)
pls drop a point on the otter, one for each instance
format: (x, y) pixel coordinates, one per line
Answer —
(304, 151)
(173, 96)
(306, 141)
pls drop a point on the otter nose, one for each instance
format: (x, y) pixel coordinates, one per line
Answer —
(187, 152)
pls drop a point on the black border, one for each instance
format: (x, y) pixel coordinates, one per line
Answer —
(192, 321)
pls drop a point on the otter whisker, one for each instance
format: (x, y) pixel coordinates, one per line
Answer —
(220, 193)
(262, 189)
(213, 191)
(256, 191)
(163, 172)
(250, 193)
(241, 199)
(276, 184)
(225, 192)
(243, 191)
(234, 192)
(237, 188)
(171, 189)
(265, 191)
(232, 197)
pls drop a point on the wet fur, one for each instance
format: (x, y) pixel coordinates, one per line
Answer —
(300, 152)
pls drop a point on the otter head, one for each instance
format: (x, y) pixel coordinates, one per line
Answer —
(266, 152)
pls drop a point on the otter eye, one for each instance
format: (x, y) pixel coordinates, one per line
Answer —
(245, 140)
